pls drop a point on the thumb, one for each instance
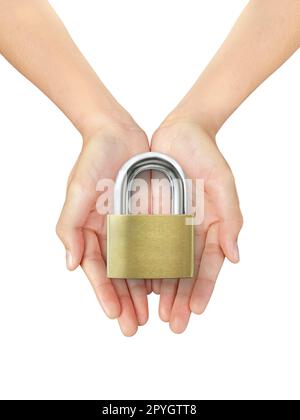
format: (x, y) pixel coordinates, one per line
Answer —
(228, 237)
(225, 196)
(75, 211)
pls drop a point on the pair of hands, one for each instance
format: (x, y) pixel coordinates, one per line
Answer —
(83, 230)
(34, 41)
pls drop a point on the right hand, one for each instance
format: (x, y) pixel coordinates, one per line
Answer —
(216, 237)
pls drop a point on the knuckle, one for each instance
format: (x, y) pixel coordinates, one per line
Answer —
(213, 249)
(209, 279)
(59, 230)
(75, 188)
(227, 176)
(240, 221)
(91, 256)
(78, 190)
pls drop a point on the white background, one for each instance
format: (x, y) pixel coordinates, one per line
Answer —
(54, 340)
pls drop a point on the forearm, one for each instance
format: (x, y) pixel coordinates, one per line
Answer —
(34, 41)
(263, 38)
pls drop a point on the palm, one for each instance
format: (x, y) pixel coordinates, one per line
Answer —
(93, 165)
(200, 159)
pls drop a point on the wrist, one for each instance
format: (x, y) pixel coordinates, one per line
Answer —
(195, 110)
(115, 120)
(205, 105)
(185, 119)
(181, 116)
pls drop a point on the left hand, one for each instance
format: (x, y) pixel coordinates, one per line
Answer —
(216, 237)
(82, 228)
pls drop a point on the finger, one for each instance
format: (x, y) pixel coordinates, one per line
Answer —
(224, 194)
(181, 312)
(94, 268)
(138, 293)
(156, 285)
(210, 266)
(228, 237)
(127, 320)
(149, 286)
(180, 307)
(167, 296)
(73, 216)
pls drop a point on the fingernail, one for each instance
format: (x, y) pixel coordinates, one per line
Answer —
(112, 311)
(69, 259)
(198, 306)
(235, 253)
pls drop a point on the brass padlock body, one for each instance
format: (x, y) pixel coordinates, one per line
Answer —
(150, 246)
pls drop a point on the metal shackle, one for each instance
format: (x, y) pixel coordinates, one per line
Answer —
(150, 161)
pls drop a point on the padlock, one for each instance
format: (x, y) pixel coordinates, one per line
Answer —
(150, 246)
